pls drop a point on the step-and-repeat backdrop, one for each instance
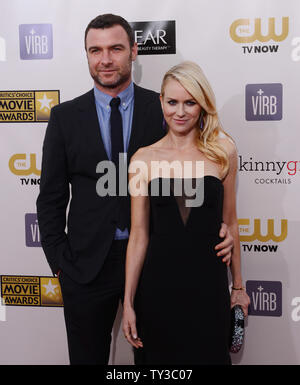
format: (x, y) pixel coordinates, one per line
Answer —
(250, 52)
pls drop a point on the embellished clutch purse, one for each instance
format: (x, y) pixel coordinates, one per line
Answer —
(237, 329)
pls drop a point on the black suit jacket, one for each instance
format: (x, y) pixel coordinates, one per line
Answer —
(72, 149)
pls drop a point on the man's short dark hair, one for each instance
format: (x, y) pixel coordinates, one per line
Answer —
(109, 20)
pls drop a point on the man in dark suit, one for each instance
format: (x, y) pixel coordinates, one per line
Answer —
(90, 257)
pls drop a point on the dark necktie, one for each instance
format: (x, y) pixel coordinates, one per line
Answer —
(116, 131)
(117, 146)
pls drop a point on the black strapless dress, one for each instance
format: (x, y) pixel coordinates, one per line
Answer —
(182, 302)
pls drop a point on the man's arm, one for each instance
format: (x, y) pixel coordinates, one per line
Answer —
(54, 195)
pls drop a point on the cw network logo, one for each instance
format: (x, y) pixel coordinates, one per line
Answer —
(36, 41)
(25, 165)
(264, 101)
(265, 297)
(249, 31)
(257, 232)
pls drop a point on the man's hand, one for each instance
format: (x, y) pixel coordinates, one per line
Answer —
(226, 246)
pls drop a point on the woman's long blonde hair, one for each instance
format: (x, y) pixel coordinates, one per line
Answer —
(192, 78)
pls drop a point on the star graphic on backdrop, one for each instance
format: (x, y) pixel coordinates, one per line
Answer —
(50, 288)
(45, 102)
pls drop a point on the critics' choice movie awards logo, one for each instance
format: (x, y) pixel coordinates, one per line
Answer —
(259, 31)
(30, 291)
(266, 298)
(32, 231)
(155, 37)
(277, 172)
(24, 165)
(36, 41)
(27, 106)
(264, 101)
(262, 231)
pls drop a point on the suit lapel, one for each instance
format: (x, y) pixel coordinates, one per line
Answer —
(90, 124)
(138, 126)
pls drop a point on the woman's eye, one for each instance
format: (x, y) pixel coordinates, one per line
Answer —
(172, 102)
(190, 103)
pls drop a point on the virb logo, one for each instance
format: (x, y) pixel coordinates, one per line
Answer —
(265, 297)
(36, 41)
(32, 232)
(264, 101)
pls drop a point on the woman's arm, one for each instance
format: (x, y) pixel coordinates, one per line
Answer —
(230, 218)
(137, 247)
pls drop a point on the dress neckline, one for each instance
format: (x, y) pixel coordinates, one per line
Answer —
(184, 217)
(205, 176)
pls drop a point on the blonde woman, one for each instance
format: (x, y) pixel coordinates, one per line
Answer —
(177, 303)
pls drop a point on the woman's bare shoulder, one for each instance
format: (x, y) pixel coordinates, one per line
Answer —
(228, 144)
(146, 153)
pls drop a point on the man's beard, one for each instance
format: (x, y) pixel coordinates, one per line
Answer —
(123, 78)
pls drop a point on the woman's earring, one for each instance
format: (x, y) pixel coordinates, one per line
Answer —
(201, 120)
(164, 124)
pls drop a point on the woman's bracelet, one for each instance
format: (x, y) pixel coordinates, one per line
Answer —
(238, 288)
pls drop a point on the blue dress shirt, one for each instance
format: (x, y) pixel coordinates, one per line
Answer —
(126, 110)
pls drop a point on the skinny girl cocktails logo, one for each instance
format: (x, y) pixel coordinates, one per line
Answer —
(269, 172)
(114, 180)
